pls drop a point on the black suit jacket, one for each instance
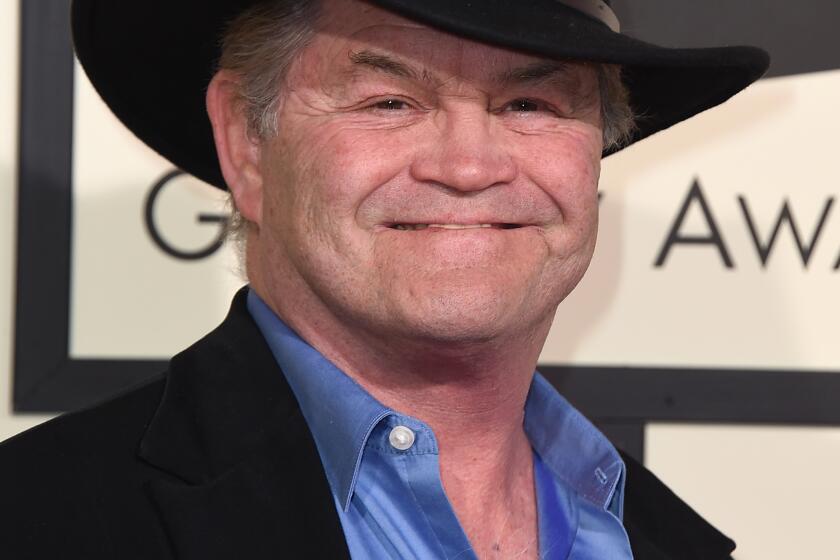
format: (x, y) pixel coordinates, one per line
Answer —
(213, 460)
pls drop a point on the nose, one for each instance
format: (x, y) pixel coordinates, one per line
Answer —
(465, 154)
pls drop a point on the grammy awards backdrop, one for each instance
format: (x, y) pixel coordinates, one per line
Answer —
(703, 338)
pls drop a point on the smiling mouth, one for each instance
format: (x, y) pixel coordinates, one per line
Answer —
(415, 227)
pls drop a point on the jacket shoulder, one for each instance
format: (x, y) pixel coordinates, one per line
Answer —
(67, 483)
(662, 526)
(111, 419)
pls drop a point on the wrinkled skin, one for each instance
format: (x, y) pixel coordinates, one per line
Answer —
(361, 148)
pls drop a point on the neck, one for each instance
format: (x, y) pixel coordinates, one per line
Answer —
(471, 394)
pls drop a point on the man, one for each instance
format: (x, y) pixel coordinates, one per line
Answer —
(416, 187)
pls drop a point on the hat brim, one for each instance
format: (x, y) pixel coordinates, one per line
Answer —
(151, 62)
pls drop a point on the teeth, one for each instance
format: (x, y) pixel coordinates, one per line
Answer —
(412, 227)
(460, 226)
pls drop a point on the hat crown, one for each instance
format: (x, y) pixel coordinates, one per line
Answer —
(596, 9)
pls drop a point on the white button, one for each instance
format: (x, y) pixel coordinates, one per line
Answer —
(401, 438)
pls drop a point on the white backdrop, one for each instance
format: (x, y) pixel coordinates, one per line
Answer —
(774, 143)
(123, 284)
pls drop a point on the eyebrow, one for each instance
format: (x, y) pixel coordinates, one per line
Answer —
(541, 72)
(544, 72)
(388, 65)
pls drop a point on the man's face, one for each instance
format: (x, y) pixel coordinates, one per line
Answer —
(427, 186)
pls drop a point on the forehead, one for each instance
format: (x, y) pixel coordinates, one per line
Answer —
(351, 25)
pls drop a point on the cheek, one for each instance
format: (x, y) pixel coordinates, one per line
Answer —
(338, 168)
(320, 182)
(567, 170)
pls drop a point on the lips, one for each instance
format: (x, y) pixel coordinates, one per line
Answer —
(416, 227)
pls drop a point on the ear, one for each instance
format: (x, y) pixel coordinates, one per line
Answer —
(238, 151)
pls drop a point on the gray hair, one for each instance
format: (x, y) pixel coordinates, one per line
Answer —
(261, 43)
(617, 115)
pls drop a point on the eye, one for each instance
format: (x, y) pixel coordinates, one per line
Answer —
(525, 106)
(391, 105)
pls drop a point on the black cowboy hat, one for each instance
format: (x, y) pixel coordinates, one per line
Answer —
(151, 61)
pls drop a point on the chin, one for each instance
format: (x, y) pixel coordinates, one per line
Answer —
(459, 315)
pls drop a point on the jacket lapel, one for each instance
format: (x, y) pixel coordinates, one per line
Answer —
(246, 479)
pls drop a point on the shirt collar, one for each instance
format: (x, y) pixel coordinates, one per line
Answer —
(574, 450)
(341, 416)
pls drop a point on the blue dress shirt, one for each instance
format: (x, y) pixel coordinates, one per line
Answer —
(382, 466)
